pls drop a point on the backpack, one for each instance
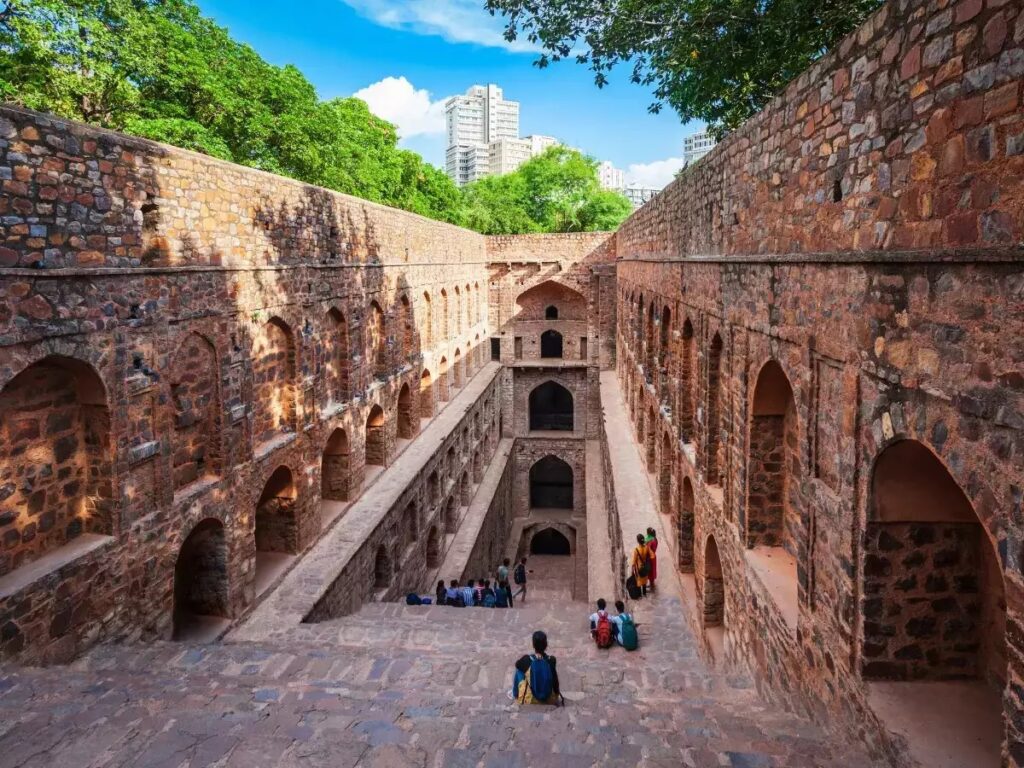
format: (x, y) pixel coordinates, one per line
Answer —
(627, 632)
(489, 601)
(519, 577)
(645, 567)
(458, 602)
(413, 599)
(631, 587)
(539, 684)
(603, 632)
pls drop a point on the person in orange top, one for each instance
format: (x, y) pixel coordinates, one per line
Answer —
(652, 551)
(640, 564)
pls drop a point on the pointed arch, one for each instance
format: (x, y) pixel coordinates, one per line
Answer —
(277, 514)
(551, 407)
(408, 327)
(712, 460)
(201, 587)
(377, 338)
(428, 321)
(713, 592)
(551, 344)
(376, 438)
(457, 369)
(338, 357)
(685, 407)
(274, 377)
(336, 468)
(426, 395)
(433, 548)
(687, 522)
(407, 420)
(194, 379)
(551, 484)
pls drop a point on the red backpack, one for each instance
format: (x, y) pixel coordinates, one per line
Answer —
(603, 632)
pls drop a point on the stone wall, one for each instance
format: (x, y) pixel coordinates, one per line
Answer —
(175, 331)
(860, 234)
(908, 135)
(492, 540)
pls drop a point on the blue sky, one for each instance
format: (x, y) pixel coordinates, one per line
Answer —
(406, 56)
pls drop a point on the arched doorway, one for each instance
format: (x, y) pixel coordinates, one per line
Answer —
(433, 548)
(934, 611)
(335, 468)
(686, 526)
(457, 369)
(338, 356)
(713, 592)
(442, 381)
(377, 340)
(201, 602)
(665, 474)
(549, 542)
(273, 369)
(652, 429)
(551, 484)
(451, 515)
(551, 344)
(410, 525)
(713, 436)
(551, 313)
(686, 389)
(551, 408)
(56, 457)
(277, 525)
(426, 395)
(773, 519)
(194, 378)
(406, 417)
(381, 569)
(376, 444)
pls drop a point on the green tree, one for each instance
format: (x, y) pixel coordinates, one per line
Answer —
(719, 61)
(557, 191)
(160, 69)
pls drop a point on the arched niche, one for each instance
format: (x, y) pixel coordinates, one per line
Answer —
(551, 407)
(551, 484)
(201, 595)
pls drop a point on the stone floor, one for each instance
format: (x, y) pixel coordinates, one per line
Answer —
(401, 686)
(414, 686)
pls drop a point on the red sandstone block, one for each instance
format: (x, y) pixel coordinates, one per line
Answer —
(939, 126)
(1001, 101)
(962, 228)
(968, 112)
(967, 10)
(90, 259)
(8, 257)
(949, 70)
(911, 64)
(994, 34)
(35, 307)
(952, 160)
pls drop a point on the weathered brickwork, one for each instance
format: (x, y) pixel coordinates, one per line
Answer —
(184, 341)
(901, 365)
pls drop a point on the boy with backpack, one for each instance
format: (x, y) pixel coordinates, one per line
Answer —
(601, 627)
(626, 634)
(535, 680)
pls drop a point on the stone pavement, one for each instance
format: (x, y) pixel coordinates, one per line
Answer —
(404, 686)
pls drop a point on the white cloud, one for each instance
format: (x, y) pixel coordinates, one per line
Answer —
(410, 109)
(457, 21)
(657, 174)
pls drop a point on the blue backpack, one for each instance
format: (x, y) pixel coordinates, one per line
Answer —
(542, 681)
(413, 599)
(489, 601)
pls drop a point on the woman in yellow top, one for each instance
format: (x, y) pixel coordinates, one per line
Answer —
(641, 562)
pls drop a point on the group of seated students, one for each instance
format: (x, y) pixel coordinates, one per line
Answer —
(475, 593)
(607, 629)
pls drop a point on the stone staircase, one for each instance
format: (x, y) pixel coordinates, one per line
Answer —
(396, 685)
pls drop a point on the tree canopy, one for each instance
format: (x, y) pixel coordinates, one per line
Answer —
(161, 70)
(719, 61)
(557, 191)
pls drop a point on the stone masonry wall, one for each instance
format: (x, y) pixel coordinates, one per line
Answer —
(218, 325)
(863, 232)
(909, 135)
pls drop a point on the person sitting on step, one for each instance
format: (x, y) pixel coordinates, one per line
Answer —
(468, 593)
(625, 627)
(535, 680)
(454, 595)
(441, 593)
(601, 627)
(487, 598)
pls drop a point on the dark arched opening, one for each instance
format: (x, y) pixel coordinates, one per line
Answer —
(551, 313)
(551, 344)
(376, 447)
(551, 407)
(549, 542)
(551, 484)
(335, 477)
(201, 579)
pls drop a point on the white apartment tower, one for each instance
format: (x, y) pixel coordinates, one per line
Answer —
(610, 177)
(476, 120)
(695, 146)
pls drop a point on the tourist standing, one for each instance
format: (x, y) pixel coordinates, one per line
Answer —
(652, 556)
(503, 579)
(640, 564)
(519, 577)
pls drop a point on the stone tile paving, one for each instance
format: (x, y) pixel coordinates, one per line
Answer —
(400, 686)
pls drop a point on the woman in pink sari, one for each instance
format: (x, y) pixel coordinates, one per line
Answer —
(652, 548)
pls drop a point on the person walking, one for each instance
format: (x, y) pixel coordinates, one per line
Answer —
(640, 563)
(519, 577)
(652, 553)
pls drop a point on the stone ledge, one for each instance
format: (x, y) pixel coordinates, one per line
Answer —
(52, 562)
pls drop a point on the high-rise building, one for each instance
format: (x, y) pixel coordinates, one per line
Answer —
(695, 146)
(639, 195)
(475, 120)
(508, 154)
(609, 176)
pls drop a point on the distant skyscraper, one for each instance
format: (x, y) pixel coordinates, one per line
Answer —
(695, 146)
(610, 177)
(476, 120)
(639, 195)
